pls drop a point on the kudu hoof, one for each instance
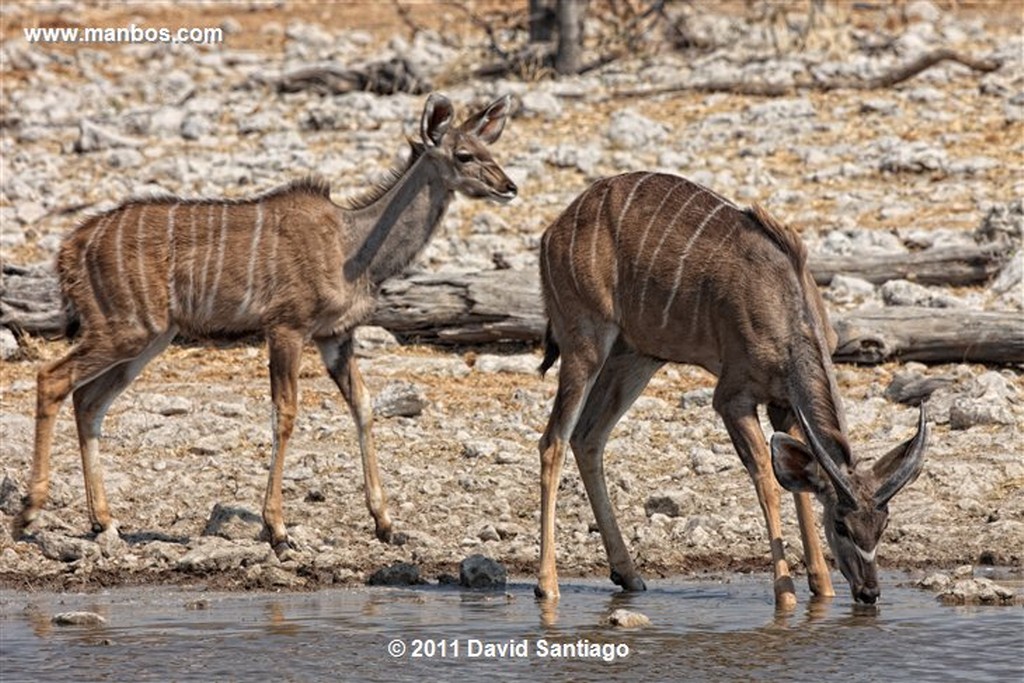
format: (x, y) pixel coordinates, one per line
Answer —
(632, 584)
(283, 550)
(542, 593)
(20, 525)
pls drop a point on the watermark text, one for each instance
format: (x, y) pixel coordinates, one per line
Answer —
(124, 34)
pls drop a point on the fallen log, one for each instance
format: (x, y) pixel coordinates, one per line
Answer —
(505, 306)
(929, 335)
(950, 266)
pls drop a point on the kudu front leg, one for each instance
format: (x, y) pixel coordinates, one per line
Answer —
(745, 431)
(285, 355)
(819, 578)
(338, 357)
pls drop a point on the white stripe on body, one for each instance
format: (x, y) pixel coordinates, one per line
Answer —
(172, 292)
(695, 318)
(211, 293)
(682, 259)
(657, 250)
(203, 291)
(546, 253)
(572, 240)
(147, 306)
(83, 259)
(597, 231)
(629, 200)
(253, 254)
(119, 261)
(191, 312)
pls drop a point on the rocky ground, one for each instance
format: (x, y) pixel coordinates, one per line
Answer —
(934, 160)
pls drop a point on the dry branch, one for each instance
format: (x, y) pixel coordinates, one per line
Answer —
(381, 78)
(886, 80)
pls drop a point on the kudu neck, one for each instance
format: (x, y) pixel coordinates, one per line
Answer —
(392, 230)
(813, 389)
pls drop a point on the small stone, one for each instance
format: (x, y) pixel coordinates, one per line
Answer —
(624, 618)
(669, 503)
(399, 399)
(478, 449)
(906, 293)
(92, 137)
(195, 126)
(56, 546)
(233, 523)
(397, 574)
(10, 496)
(477, 571)
(935, 582)
(78, 619)
(489, 533)
(9, 349)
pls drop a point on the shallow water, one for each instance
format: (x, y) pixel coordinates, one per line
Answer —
(701, 630)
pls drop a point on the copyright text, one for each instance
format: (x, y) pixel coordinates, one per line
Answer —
(515, 648)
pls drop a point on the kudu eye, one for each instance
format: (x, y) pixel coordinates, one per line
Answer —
(463, 157)
(842, 529)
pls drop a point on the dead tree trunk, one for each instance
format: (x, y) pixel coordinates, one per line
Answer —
(568, 57)
(505, 306)
(542, 20)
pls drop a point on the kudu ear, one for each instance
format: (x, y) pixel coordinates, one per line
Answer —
(902, 465)
(795, 467)
(488, 123)
(437, 118)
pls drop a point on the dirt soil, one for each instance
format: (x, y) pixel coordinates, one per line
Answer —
(187, 446)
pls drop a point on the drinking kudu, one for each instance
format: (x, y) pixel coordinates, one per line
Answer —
(647, 268)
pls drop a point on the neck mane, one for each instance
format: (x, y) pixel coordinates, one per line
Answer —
(392, 222)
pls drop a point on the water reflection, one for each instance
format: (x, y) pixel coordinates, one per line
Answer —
(699, 631)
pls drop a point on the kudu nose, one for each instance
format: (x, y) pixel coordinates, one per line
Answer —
(510, 188)
(868, 593)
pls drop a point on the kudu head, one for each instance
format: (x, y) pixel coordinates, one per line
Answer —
(855, 499)
(467, 165)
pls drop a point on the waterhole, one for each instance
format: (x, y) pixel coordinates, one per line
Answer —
(708, 630)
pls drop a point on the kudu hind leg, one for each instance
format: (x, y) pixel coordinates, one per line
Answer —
(740, 417)
(53, 384)
(819, 579)
(622, 379)
(579, 368)
(338, 357)
(91, 402)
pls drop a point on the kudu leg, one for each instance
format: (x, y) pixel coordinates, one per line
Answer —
(819, 578)
(285, 356)
(740, 417)
(91, 402)
(84, 364)
(576, 375)
(622, 379)
(337, 355)
(53, 384)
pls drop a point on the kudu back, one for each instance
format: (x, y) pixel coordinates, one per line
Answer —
(648, 268)
(289, 264)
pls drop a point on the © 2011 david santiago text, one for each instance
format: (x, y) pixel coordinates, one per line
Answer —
(513, 648)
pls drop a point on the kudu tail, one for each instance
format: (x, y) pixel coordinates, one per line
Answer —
(551, 350)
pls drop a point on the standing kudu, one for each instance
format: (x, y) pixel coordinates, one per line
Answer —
(289, 264)
(646, 268)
